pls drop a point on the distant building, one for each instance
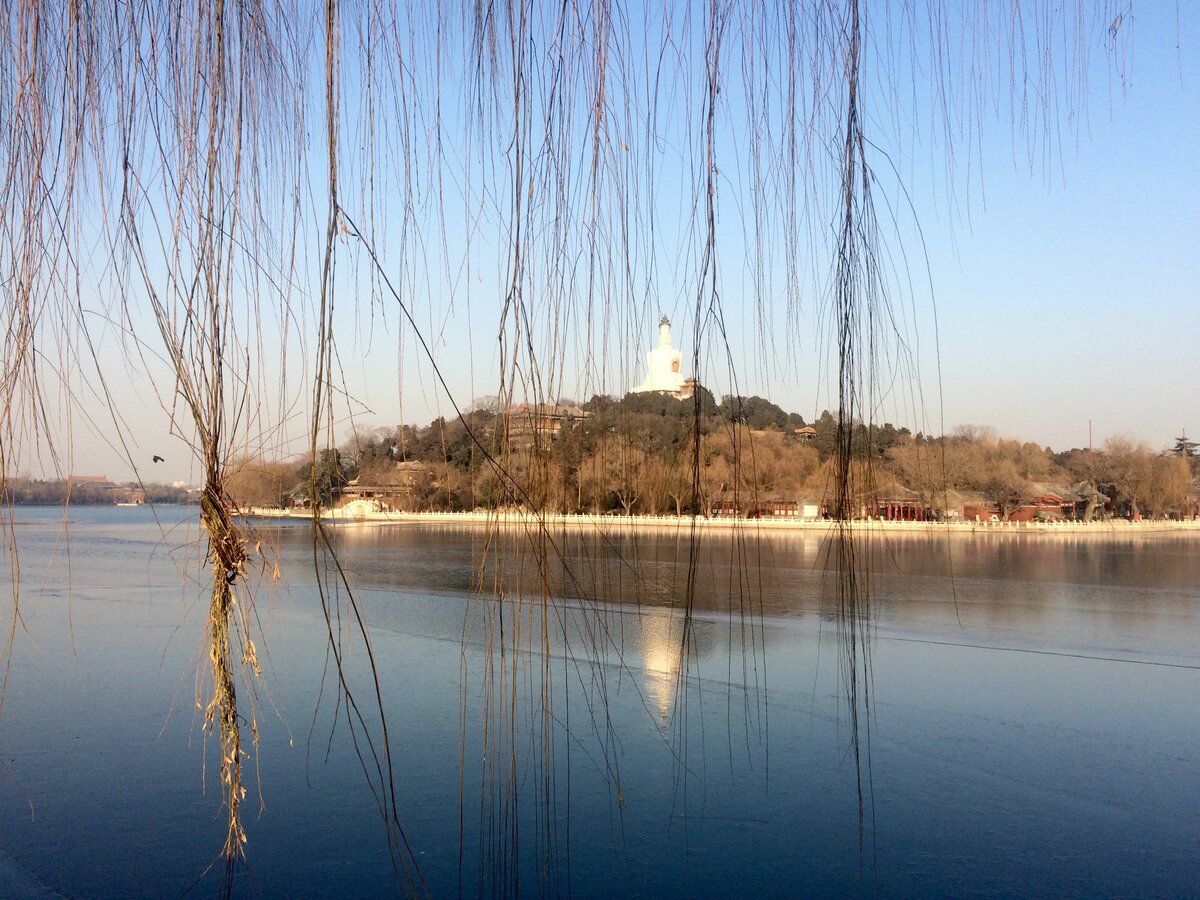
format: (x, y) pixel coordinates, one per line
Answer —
(663, 368)
(405, 486)
(98, 489)
(751, 504)
(539, 424)
(900, 505)
(529, 421)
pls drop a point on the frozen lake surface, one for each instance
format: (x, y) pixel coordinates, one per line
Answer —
(1031, 729)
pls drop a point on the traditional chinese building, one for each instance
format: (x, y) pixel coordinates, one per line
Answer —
(530, 421)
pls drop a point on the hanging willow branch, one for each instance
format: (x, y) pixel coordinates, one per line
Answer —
(242, 189)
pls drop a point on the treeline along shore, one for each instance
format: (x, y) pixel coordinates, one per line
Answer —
(90, 490)
(652, 455)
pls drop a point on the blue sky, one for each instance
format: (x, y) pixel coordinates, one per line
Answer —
(1055, 293)
(1075, 294)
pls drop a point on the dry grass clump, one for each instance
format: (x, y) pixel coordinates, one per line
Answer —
(228, 626)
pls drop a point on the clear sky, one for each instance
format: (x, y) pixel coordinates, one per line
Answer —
(1033, 297)
(1074, 295)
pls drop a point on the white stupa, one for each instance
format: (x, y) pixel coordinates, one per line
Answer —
(663, 365)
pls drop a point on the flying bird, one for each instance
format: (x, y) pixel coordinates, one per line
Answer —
(157, 458)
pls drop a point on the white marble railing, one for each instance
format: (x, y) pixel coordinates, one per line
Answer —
(518, 517)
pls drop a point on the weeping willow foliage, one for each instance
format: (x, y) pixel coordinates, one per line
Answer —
(233, 198)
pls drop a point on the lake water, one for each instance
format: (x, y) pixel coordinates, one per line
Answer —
(1032, 724)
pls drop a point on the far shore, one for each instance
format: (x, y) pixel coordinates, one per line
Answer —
(359, 515)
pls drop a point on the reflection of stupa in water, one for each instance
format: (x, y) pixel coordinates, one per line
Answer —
(661, 646)
(663, 365)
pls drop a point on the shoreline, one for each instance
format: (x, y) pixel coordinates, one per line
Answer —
(350, 515)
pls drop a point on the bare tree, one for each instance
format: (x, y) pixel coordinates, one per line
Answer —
(1129, 467)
